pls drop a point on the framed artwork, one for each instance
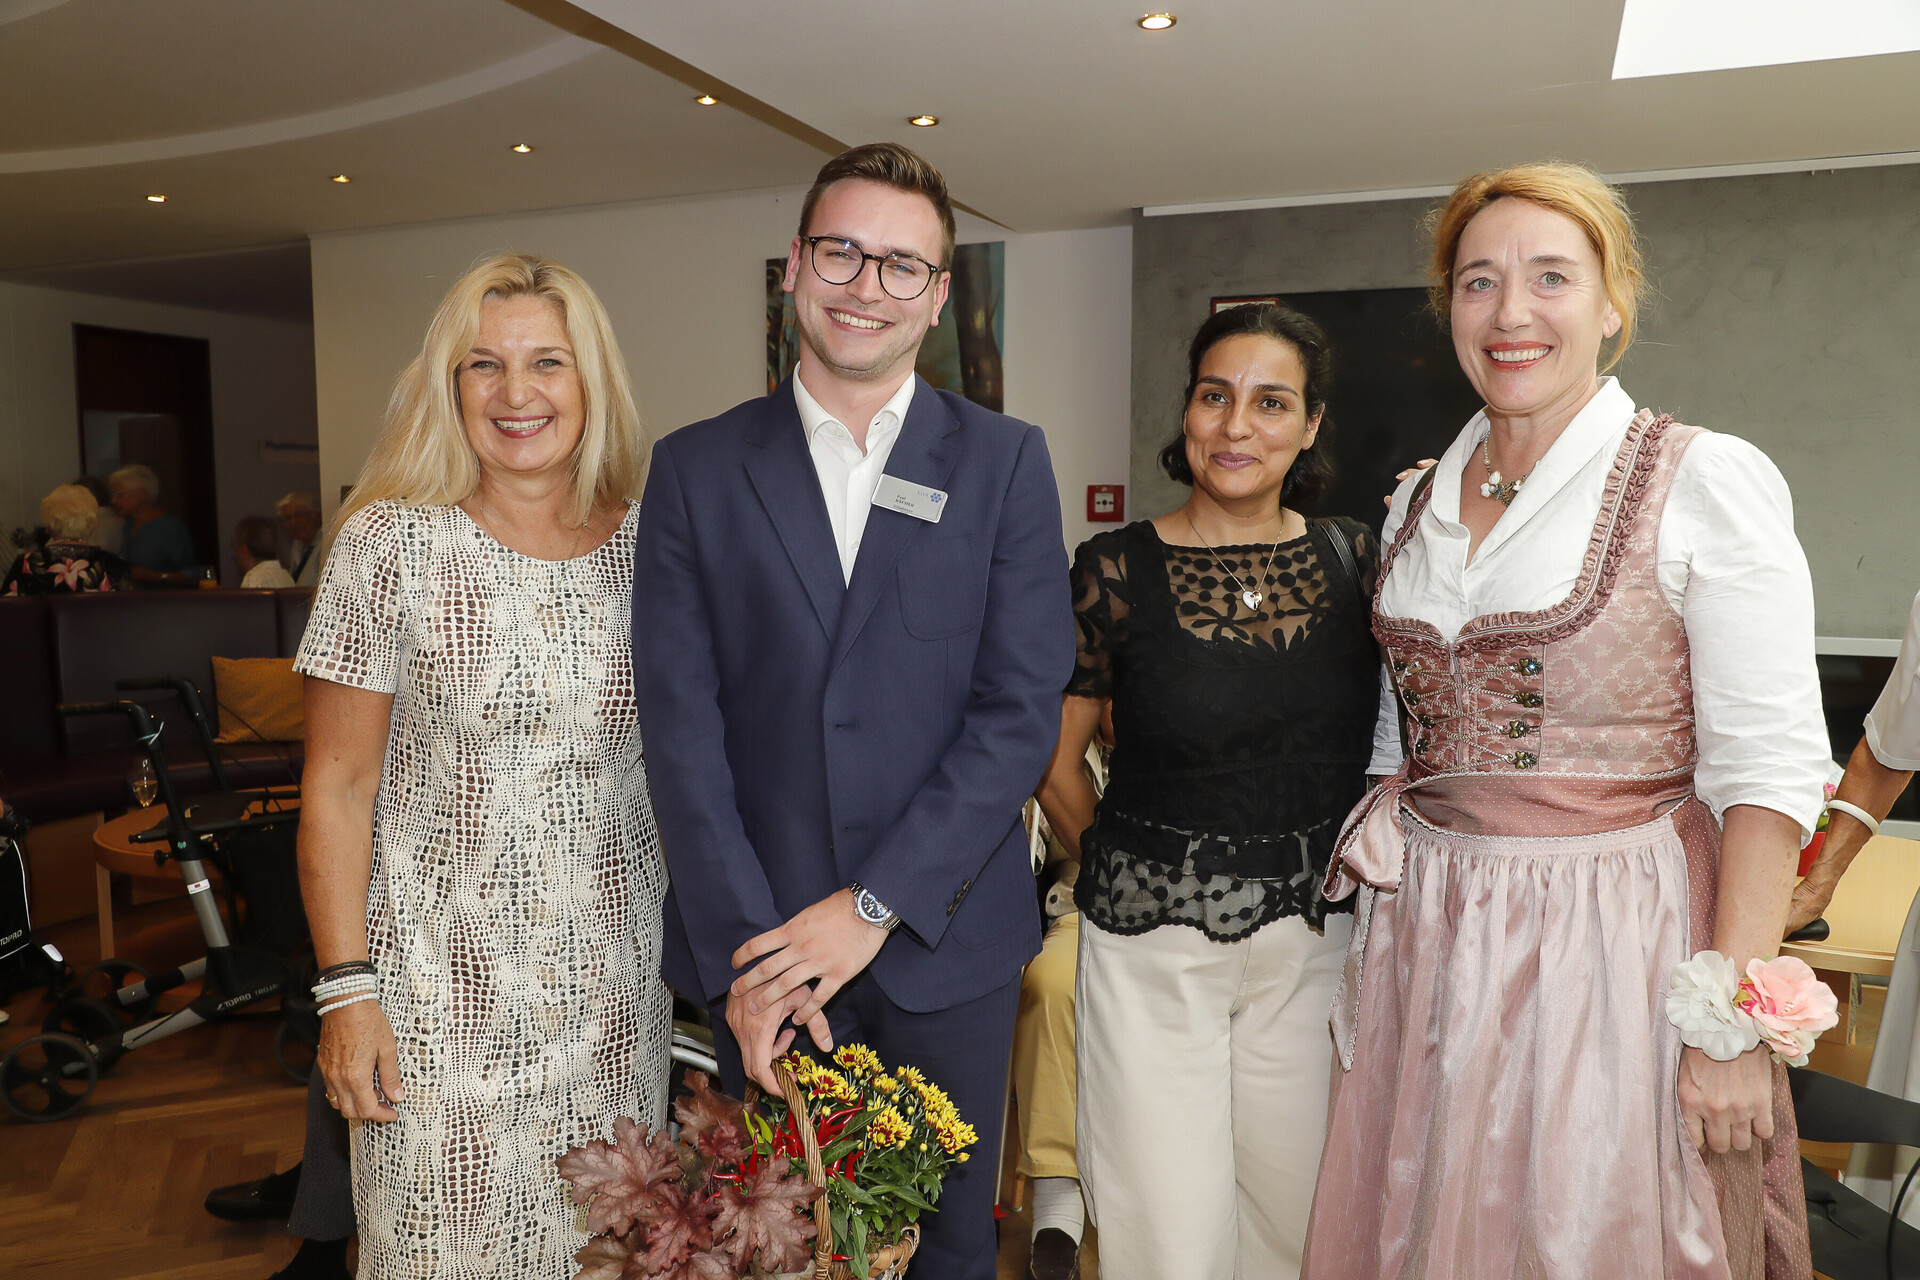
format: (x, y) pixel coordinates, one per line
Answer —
(1241, 300)
(961, 353)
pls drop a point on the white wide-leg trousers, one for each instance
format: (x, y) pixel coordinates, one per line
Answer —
(1203, 1074)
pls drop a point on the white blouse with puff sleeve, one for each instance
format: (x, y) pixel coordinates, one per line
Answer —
(1728, 562)
(1893, 726)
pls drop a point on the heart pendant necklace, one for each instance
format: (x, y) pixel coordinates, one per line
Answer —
(1252, 599)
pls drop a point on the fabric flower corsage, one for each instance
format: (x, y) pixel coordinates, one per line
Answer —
(1789, 1006)
(1779, 1004)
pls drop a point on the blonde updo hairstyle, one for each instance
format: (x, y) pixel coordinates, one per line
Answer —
(1570, 189)
(71, 513)
(422, 457)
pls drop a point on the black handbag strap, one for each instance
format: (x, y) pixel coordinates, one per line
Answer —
(1334, 536)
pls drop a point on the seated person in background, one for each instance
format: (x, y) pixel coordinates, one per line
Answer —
(1044, 1086)
(256, 550)
(300, 521)
(158, 545)
(113, 530)
(70, 560)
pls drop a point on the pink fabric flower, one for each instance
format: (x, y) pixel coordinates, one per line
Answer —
(1788, 1005)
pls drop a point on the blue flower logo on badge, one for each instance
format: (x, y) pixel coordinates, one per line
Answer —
(936, 497)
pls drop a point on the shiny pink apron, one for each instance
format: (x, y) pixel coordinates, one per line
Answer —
(1527, 883)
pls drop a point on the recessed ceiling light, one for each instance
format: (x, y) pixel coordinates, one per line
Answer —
(923, 122)
(1158, 21)
(339, 177)
(522, 147)
(706, 99)
(157, 199)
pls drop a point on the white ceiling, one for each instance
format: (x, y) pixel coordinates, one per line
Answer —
(1054, 114)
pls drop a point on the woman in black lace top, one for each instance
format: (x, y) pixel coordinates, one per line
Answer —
(1231, 638)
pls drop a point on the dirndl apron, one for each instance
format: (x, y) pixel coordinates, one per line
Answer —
(1507, 1103)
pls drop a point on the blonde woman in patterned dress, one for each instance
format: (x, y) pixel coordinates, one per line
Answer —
(477, 823)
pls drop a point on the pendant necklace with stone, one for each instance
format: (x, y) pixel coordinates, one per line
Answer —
(1503, 491)
(1252, 598)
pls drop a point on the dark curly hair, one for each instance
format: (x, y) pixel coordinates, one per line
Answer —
(1312, 473)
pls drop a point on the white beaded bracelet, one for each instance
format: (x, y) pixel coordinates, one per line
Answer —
(328, 990)
(1854, 811)
(326, 1009)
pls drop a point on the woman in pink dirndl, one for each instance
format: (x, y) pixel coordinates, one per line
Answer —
(1600, 629)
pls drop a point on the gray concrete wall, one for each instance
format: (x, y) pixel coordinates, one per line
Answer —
(1788, 313)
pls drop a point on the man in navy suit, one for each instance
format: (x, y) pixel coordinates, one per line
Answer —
(852, 627)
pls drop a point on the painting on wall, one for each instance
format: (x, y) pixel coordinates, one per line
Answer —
(961, 353)
(1398, 392)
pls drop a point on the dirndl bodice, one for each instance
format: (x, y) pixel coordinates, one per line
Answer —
(1568, 723)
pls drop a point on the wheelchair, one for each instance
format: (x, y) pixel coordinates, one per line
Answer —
(111, 1011)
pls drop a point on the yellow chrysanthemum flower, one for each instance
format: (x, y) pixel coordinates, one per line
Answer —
(889, 1129)
(911, 1075)
(857, 1059)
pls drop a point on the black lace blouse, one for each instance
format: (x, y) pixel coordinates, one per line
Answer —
(1241, 736)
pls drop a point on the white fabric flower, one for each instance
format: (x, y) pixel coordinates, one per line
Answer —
(1700, 1003)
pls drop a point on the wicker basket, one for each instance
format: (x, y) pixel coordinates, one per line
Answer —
(886, 1263)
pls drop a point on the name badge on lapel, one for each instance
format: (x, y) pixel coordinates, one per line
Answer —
(910, 499)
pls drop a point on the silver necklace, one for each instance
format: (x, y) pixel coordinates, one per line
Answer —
(1496, 488)
(1252, 598)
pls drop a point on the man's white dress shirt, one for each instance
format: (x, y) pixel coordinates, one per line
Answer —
(849, 477)
(1728, 562)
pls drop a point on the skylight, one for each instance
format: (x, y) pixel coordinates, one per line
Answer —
(1675, 37)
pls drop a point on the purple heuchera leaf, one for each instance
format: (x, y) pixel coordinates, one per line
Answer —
(602, 1258)
(710, 1265)
(624, 1181)
(681, 1227)
(763, 1215)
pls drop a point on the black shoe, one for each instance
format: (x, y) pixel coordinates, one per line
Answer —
(1055, 1256)
(268, 1199)
(317, 1260)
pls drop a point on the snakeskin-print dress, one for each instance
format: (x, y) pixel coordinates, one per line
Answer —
(514, 906)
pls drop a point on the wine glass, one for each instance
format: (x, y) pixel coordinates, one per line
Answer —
(144, 784)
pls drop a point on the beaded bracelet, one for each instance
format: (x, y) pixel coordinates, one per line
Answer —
(328, 990)
(326, 1009)
(345, 967)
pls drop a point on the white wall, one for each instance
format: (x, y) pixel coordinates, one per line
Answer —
(262, 390)
(684, 283)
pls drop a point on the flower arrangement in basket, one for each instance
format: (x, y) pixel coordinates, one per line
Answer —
(886, 1141)
(867, 1149)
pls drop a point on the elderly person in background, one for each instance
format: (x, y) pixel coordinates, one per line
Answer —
(113, 530)
(158, 546)
(299, 515)
(1883, 763)
(1600, 626)
(256, 549)
(71, 560)
(478, 853)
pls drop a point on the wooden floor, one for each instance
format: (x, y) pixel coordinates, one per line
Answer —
(116, 1189)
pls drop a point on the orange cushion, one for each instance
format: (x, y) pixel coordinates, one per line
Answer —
(259, 700)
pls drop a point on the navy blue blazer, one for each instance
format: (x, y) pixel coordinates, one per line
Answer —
(803, 732)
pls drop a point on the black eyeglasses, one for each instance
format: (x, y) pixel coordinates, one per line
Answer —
(904, 276)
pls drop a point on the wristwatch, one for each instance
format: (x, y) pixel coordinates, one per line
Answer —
(871, 909)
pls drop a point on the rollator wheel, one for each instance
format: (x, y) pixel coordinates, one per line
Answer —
(46, 1077)
(296, 1047)
(94, 1022)
(104, 981)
